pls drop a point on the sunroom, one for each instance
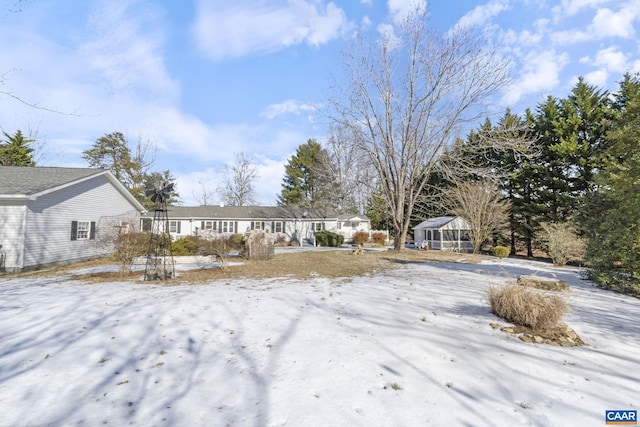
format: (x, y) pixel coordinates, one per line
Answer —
(446, 233)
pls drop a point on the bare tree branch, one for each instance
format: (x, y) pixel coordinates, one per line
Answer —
(404, 98)
(482, 205)
(237, 188)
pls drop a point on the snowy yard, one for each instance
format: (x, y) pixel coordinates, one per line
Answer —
(407, 347)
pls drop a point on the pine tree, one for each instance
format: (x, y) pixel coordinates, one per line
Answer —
(305, 183)
(610, 216)
(16, 150)
(112, 152)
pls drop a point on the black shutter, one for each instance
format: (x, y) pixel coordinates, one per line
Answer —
(178, 226)
(74, 230)
(92, 231)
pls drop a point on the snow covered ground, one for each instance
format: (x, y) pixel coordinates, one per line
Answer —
(408, 347)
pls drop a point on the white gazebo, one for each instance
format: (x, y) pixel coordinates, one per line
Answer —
(447, 233)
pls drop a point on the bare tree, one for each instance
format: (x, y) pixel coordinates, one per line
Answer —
(406, 95)
(237, 188)
(482, 205)
(205, 196)
(349, 172)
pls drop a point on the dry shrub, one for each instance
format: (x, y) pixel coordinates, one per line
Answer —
(127, 247)
(525, 306)
(561, 242)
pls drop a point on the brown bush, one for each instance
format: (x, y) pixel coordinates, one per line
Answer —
(360, 237)
(525, 306)
(379, 238)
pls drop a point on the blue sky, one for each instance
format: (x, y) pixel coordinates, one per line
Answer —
(205, 79)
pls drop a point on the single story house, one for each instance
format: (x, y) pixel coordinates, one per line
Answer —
(448, 233)
(286, 222)
(52, 215)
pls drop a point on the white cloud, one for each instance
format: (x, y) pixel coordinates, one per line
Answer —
(365, 23)
(604, 24)
(612, 59)
(399, 9)
(571, 7)
(125, 51)
(289, 106)
(388, 33)
(597, 78)
(608, 23)
(540, 73)
(235, 29)
(481, 14)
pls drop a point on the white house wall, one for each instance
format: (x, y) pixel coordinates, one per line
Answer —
(293, 228)
(12, 225)
(48, 233)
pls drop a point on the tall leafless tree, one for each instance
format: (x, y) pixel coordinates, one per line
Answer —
(406, 95)
(237, 188)
(349, 172)
(483, 206)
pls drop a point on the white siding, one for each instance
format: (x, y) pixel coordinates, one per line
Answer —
(421, 236)
(12, 225)
(48, 232)
(302, 229)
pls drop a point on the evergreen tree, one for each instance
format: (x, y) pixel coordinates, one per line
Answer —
(572, 135)
(131, 168)
(514, 170)
(610, 216)
(16, 150)
(305, 182)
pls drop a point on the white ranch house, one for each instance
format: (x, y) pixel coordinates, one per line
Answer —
(447, 233)
(52, 215)
(282, 221)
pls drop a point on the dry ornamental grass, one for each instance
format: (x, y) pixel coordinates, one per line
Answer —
(525, 306)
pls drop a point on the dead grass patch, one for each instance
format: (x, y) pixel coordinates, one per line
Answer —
(295, 264)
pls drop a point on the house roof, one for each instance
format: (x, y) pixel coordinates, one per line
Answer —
(31, 180)
(23, 182)
(246, 212)
(436, 222)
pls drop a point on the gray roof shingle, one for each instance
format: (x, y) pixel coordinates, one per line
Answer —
(21, 180)
(245, 212)
(436, 222)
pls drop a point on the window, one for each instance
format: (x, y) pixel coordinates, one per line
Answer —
(207, 225)
(146, 224)
(228, 226)
(317, 226)
(83, 230)
(277, 226)
(174, 227)
(450, 235)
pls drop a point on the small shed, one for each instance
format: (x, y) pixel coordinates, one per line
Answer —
(447, 233)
